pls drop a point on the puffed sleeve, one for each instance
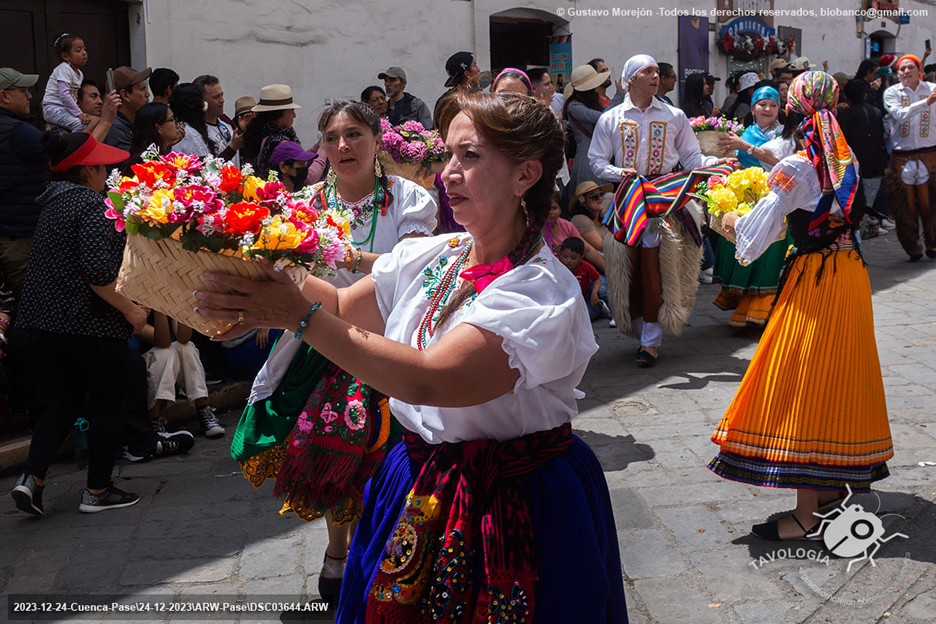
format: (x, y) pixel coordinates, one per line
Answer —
(540, 314)
(759, 228)
(417, 210)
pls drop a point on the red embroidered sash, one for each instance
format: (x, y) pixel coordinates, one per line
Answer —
(467, 502)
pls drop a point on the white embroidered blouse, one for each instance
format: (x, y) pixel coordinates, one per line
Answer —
(912, 121)
(537, 309)
(651, 141)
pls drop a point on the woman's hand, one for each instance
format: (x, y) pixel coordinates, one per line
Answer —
(729, 220)
(717, 112)
(731, 142)
(273, 303)
(135, 315)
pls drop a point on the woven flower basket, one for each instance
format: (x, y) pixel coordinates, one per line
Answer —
(708, 143)
(413, 172)
(162, 275)
(718, 226)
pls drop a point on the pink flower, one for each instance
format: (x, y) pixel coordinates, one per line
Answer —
(413, 126)
(210, 224)
(327, 415)
(385, 125)
(185, 162)
(110, 213)
(392, 142)
(438, 148)
(310, 241)
(355, 416)
(415, 152)
(270, 191)
(304, 425)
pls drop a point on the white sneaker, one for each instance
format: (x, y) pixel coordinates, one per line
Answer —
(612, 323)
(208, 422)
(705, 277)
(888, 223)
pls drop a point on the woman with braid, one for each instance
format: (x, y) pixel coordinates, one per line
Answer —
(479, 338)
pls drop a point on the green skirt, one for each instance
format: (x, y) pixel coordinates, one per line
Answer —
(761, 277)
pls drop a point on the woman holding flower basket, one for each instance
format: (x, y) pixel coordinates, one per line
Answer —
(810, 413)
(324, 470)
(461, 523)
(749, 290)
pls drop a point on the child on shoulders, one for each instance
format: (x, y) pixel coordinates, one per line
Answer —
(60, 102)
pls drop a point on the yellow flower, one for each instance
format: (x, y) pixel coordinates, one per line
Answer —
(724, 198)
(158, 207)
(251, 184)
(278, 234)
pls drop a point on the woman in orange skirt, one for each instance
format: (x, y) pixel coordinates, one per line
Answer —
(810, 413)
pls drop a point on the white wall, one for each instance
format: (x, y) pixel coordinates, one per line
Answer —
(328, 50)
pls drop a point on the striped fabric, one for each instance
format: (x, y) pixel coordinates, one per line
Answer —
(640, 199)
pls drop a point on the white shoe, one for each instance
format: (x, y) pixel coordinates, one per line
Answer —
(612, 323)
(705, 277)
(888, 223)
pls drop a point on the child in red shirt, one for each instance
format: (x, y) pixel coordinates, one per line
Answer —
(571, 253)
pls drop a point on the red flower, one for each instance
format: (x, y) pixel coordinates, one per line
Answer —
(151, 172)
(244, 218)
(230, 179)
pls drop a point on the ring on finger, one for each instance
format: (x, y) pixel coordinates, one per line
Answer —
(240, 317)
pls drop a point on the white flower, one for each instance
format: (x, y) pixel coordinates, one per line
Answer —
(247, 170)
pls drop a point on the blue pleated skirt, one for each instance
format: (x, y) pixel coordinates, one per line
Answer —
(580, 575)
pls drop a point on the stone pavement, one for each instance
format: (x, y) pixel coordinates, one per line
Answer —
(202, 530)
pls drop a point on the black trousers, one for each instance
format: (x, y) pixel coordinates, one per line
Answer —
(70, 367)
(138, 431)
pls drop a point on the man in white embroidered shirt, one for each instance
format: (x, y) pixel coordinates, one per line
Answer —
(644, 136)
(913, 167)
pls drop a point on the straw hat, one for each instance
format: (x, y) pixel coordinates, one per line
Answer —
(243, 105)
(585, 78)
(587, 187)
(275, 97)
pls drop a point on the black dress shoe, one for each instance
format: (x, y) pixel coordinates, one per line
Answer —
(916, 257)
(931, 254)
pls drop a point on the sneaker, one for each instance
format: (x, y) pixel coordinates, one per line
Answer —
(208, 421)
(605, 310)
(111, 498)
(174, 444)
(28, 495)
(612, 323)
(134, 456)
(159, 425)
(705, 277)
(888, 223)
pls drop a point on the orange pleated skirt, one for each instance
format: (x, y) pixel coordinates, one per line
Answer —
(810, 411)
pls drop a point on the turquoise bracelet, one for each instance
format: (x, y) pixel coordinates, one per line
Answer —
(305, 322)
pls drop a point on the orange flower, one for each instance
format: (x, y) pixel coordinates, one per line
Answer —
(230, 179)
(151, 172)
(244, 218)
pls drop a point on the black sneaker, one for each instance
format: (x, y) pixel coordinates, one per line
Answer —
(28, 495)
(208, 422)
(134, 455)
(159, 425)
(111, 498)
(175, 443)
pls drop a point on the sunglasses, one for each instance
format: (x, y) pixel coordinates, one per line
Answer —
(595, 196)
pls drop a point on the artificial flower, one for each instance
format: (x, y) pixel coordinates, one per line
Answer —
(157, 208)
(278, 233)
(153, 173)
(244, 218)
(183, 162)
(230, 179)
(251, 184)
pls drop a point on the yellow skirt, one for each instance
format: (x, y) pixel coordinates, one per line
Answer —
(810, 411)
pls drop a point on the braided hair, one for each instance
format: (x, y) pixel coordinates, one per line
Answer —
(362, 114)
(521, 128)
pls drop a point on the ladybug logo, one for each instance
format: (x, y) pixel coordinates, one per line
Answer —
(851, 531)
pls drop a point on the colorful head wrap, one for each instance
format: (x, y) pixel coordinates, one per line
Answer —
(815, 95)
(910, 57)
(766, 93)
(634, 64)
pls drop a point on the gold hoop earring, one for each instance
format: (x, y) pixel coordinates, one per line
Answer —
(526, 213)
(377, 170)
(331, 177)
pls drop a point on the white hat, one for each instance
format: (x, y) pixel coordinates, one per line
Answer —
(275, 97)
(747, 81)
(800, 63)
(585, 78)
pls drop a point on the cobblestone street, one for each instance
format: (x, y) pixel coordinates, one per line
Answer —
(202, 530)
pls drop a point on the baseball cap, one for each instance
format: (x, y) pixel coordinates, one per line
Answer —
(710, 78)
(125, 77)
(779, 64)
(290, 150)
(841, 77)
(9, 77)
(456, 66)
(393, 72)
(800, 63)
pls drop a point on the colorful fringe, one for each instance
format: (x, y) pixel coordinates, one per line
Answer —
(640, 199)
